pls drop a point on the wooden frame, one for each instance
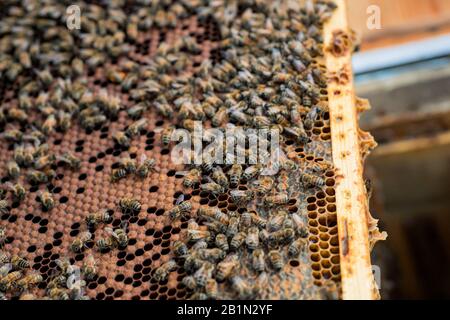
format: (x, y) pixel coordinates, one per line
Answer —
(351, 199)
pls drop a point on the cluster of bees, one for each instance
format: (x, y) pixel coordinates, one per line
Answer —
(18, 280)
(266, 78)
(117, 238)
(129, 166)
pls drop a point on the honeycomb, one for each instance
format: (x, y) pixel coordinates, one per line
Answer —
(43, 237)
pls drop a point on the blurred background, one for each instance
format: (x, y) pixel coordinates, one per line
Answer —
(404, 70)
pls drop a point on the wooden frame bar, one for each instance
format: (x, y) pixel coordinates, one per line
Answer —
(351, 199)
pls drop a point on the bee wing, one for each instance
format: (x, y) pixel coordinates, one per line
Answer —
(180, 199)
(124, 225)
(158, 130)
(111, 232)
(143, 158)
(8, 184)
(181, 173)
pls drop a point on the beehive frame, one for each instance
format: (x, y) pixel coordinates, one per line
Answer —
(351, 198)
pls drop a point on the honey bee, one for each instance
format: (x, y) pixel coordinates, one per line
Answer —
(181, 208)
(25, 59)
(297, 246)
(163, 108)
(19, 263)
(28, 155)
(276, 221)
(189, 282)
(77, 66)
(104, 244)
(252, 239)
(243, 289)
(4, 207)
(299, 226)
(79, 243)
(166, 135)
(91, 122)
(94, 219)
(201, 244)
(222, 242)
(276, 200)
(265, 185)
(46, 200)
(18, 192)
(283, 236)
(29, 281)
(44, 161)
(121, 139)
(76, 290)
(192, 224)
(64, 120)
(163, 271)
(192, 263)
(212, 255)
(58, 294)
(70, 160)
(137, 111)
(136, 127)
(258, 262)
(5, 269)
(13, 169)
(245, 220)
(67, 269)
(117, 174)
(119, 235)
(36, 177)
(192, 178)
(147, 166)
(127, 204)
(204, 273)
(115, 76)
(213, 213)
(298, 133)
(128, 83)
(311, 117)
(220, 118)
(241, 197)
(9, 281)
(89, 268)
(238, 240)
(212, 187)
(16, 114)
(25, 102)
(220, 177)
(276, 260)
(233, 227)
(212, 289)
(27, 297)
(179, 248)
(196, 235)
(13, 135)
(49, 125)
(317, 167)
(312, 180)
(4, 257)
